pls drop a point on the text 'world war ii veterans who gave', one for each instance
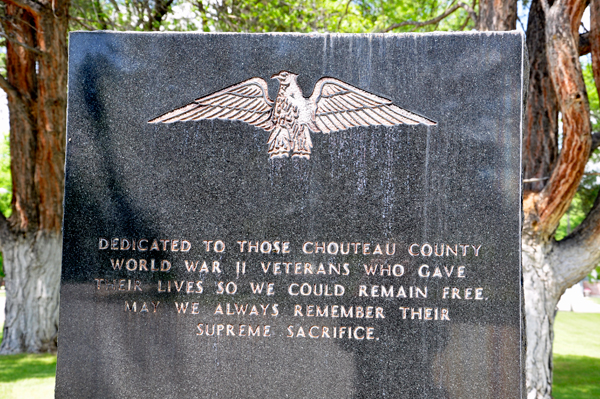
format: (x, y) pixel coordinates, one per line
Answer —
(292, 216)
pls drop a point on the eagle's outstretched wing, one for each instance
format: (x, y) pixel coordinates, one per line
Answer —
(247, 102)
(340, 106)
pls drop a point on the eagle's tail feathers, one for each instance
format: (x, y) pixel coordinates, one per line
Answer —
(302, 143)
(279, 143)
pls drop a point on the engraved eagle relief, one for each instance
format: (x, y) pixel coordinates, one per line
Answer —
(333, 106)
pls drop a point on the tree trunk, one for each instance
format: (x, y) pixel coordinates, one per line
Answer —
(539, 284)
(548, 270)
(550, 267)
(31, 240)
(595, 38)
(497, 15)
(540, 138)
(562, 39)
(32, 268)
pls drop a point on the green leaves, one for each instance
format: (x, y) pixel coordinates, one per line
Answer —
(134, 15)
(282, 16)
(346, 16)
(592, 92)
(385, 14)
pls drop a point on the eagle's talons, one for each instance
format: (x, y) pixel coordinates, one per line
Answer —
(278, 154)
(301, 154)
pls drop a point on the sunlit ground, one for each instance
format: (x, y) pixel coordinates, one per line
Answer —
(26, 376)
(576, 356)
(576, 363)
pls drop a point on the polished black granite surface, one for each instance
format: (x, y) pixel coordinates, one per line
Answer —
(375, 261)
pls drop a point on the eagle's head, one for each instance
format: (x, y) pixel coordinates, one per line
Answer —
(285, 77)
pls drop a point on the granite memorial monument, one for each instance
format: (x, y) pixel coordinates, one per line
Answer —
(292, 216)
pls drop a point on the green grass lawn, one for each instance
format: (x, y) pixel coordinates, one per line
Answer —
(595, 299)
(27, 376)
(576, 356)
(576, 363)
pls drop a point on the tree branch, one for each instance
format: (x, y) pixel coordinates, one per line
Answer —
(418, 24)
(595, 141)
(585, 46)
(160, 10)
(25, 46)
(14, 96)
(521, 23)
(583, 244)
(594, 39)
(540, 130)
(30, 5)
(464, 25)
(471, 11)
(115, 5)
(10, 90)
(81, 21)
(567, 78)
(573, 257)
(18, 19)
(576, 255)
(343, 15)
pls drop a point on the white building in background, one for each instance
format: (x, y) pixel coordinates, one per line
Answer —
(573, 300)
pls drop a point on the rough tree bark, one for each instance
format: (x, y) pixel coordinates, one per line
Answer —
(30, 240)
(550, 267)
(540, 135)
(497, 15)
(555, 85)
